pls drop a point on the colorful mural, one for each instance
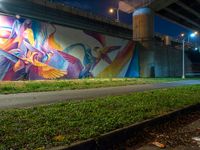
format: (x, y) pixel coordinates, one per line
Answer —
(33, 50)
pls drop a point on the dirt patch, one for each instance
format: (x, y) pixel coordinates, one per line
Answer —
(174, 134)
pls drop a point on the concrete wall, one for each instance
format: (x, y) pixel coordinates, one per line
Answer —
(35, 50)
(160, 60)
(73, 45)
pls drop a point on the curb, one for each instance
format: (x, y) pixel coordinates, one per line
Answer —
(89, 144)
(106, 141)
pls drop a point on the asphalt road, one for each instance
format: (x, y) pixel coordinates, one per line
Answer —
(42, 98)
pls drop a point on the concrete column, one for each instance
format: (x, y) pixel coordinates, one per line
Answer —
(143, 24)
(143, 32)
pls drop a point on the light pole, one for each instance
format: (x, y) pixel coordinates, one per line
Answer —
(183, 63)
(112, 10)
(183, 51)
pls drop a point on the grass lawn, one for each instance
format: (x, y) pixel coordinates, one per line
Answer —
(39, 86)
(65, 123)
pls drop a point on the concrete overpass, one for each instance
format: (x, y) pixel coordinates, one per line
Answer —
(183, 12)
(155, 60)
(58, 13)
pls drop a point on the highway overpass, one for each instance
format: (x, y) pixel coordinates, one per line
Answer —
(154, 58)
(183, 12)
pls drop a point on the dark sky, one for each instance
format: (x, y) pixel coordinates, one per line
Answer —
(101, 7)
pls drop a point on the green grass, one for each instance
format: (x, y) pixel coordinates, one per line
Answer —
(55, 85)
(65, 123)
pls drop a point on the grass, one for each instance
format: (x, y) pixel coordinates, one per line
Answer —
(65, 123)
(55, 85)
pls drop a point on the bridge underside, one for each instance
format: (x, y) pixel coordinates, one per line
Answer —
(183, 12)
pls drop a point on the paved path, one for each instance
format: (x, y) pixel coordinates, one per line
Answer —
(40, 98)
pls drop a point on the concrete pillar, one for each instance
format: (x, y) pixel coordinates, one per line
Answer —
(143, 32)
(143, 24)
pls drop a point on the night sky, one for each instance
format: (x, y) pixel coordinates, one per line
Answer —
(101, 7)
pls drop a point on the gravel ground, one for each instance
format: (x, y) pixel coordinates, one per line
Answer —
(175, 135)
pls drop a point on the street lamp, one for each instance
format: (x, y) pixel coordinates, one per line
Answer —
(183, 53)
(113, 10)
(183, 63)
(192, 35)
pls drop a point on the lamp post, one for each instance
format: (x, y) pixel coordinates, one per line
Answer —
(183, 63)
(112, 10)
(183, 51)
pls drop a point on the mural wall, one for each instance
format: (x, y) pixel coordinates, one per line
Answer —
(33, 50)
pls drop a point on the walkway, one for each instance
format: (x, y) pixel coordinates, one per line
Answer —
(40, 98)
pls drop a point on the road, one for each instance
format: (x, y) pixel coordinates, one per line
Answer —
(42, 98)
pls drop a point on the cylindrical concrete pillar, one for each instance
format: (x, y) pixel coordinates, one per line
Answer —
(143, 24)
(143, 32)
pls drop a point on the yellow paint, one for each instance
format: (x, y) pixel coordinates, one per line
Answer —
(117, 65)
(30, 36)
(53, 43)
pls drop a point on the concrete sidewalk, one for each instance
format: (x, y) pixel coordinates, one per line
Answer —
(41, 98)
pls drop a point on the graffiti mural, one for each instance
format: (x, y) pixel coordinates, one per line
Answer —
(33, 50)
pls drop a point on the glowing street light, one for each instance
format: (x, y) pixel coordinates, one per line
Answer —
(113, 10)
(182, 34)
(183, 63)
(192, 35)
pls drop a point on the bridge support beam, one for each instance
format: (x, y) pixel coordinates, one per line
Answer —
(143, 32)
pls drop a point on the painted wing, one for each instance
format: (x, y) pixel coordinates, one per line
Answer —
(48, 72)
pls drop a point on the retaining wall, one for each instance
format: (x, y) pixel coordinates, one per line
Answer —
(35, 50)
